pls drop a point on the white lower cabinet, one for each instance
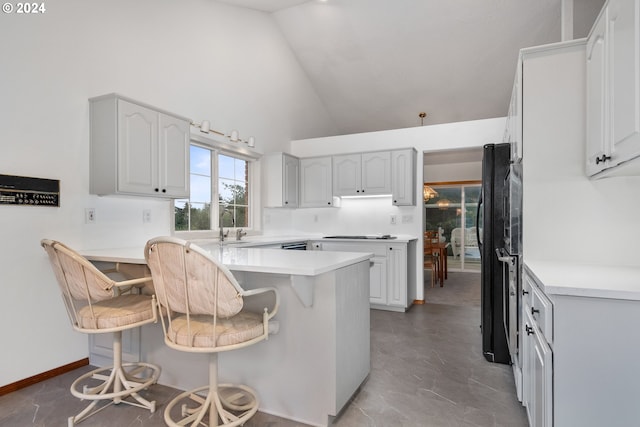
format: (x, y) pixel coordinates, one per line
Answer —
(537, 363)
(580, 349)
(378, 280)
(392, 272)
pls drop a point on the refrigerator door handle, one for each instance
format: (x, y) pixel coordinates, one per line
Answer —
(478, 223)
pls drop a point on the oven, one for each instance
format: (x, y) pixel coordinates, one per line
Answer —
(511, 257)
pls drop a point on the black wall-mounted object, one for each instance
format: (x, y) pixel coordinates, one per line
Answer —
(28, 191)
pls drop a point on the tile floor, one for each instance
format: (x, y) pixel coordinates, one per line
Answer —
(427, 370)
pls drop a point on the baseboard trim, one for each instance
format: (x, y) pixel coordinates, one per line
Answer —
(418, 301)
(6, 389)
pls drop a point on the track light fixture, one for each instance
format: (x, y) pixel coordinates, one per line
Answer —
(234, 136)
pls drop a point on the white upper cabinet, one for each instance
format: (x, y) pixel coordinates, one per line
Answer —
(513, 130)
(596, 96)
(362, 174)
(315, 182)
(280, 173)
(403, 178)
(137, 149)
(613, 91)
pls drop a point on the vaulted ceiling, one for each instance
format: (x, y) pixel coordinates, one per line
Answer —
(377, 64)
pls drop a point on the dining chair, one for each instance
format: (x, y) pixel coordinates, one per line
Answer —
(97, 304)
(431, 259)
(204, 312)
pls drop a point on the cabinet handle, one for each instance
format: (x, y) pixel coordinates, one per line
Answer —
(534, 311)
(357, 191)
(328, 203)
(529, 330)
(602, 159)
(363, 190)
(286, 203)
(164, 190)
(525, 292)
(156, 189)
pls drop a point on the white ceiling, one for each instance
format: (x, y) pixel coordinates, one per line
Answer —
(265, 5)
(376, 64)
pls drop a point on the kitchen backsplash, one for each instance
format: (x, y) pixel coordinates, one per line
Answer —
(355, 216)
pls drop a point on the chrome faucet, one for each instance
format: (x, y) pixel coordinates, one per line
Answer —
(223, 235)
(240, 233)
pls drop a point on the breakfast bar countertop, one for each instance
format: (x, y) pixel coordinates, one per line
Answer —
(257, 260)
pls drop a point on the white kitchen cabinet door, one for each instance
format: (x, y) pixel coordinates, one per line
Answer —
(290, 190)
(316, 188)
(137, 149)
(173, 153)
(347, 175)
(362, 174)
(280, 180)
(537, 374)
(613, 91)
(596, 97)
(378, 280)
(624, 76)
(403, 178)
(542, 391)
(376, 173)
(397, 275)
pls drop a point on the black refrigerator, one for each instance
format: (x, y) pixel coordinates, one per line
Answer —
(492, 213)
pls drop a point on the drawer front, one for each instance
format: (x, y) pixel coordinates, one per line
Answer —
(542, 313)
(376, 249)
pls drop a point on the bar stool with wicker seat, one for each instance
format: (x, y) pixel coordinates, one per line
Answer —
(97, 304)
(202, 303)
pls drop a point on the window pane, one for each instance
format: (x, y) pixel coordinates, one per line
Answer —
(200, 216)
(241, 217)
(226, 191)
(200, 161)
(200, 189)
(240, 170)
(225, 166)
(227, 218)
(182, 215)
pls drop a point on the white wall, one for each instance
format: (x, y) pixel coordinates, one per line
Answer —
(197, 58)
(449, 172)
(364, 216)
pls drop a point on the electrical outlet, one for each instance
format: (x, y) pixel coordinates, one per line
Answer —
(146, 216)
(394, 219)
(89, 216)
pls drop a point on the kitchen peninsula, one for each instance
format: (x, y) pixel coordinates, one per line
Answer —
(321, 355)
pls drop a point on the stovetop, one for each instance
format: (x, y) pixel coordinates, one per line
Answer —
(367, 236)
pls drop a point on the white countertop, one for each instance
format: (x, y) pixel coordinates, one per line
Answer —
(277, 261)
(596, 281)
(258, 240)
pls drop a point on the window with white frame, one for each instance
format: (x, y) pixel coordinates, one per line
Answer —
(219, 192)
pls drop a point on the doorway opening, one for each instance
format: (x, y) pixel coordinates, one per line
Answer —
(452, 211)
